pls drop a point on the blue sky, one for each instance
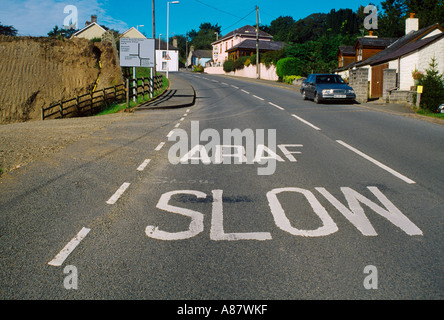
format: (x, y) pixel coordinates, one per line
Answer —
(38, 17)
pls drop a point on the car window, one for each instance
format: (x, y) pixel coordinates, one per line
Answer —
(329, 78)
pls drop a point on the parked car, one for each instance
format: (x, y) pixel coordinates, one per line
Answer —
(323, 87)
(440, 109)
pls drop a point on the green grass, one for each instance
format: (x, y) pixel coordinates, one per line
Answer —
(116, 107)
(429, 114)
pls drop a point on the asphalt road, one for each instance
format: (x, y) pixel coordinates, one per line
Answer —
(347, 205)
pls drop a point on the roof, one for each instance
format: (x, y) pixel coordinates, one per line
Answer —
(347, 50)
(404, 40)
(374, 42)
(202, 53)
(406, 49)
(87, 27)
(133, 30)
(263, 45)
(163, 45)
(245, 31)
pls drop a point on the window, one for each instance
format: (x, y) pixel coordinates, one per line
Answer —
(164, 65)
(164, 55)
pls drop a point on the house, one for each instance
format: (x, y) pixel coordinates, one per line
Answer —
(346, 55)
(166, 58)
(91, 30)
(248, 48)
(199, 57)
(233, 38)
(133, 33)
(392, 68)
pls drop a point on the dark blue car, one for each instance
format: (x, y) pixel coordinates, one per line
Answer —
(323, 87)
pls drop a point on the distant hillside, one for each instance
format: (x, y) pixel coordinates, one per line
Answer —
(38, 71)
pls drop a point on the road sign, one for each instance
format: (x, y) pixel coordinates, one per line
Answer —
(136, 52)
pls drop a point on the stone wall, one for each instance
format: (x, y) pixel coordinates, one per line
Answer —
(359, 82)
(389, 82)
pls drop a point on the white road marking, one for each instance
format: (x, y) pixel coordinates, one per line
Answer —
(275, 105)
(118, 193)
(181, 119)
(306, 122)
(258, 97)
(235, 87)
(66, 251)
(143, 165)
(177, 125)
(224, 83)
(159, 146)
(245, 91)
(374, 161)
(170, 133)
(188, 110)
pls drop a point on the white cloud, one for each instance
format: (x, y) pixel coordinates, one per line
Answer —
(38, 17)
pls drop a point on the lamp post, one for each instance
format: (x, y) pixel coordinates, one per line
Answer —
(140, 25)
(168, 39)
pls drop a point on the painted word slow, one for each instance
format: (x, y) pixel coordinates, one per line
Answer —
(353, 212)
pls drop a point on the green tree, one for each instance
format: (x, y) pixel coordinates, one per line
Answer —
(281, 28)
(433, 82)
(59, 33)
(206, 35)
(8, 30)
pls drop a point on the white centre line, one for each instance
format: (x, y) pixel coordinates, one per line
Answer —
(188, 110)
(235, 87)
(159, 146)
(306, 122)
(170, 133)
(177, 125)
(275, 105)
(181, 119)
(224, 83)
(66, 251)
(245, 91)
(118, 193)
(143, 165)
(258, 97)
(379, 164)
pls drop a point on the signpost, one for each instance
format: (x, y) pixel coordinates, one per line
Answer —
(135, 52)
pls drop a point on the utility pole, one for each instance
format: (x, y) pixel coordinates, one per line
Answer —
(154, 22)
(257, 43)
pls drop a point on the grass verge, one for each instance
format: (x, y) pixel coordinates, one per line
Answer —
(429, 114)
(117, 107)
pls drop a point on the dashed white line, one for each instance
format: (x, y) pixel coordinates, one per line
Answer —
(376, 162)
(258, 97)
(188, 110)
(306, 122)
(177, 125)
(170, 133)
(66, 251)
(143, 165)
(118, 193)
(159, 146)
(224, 83)
(275, 105)
(235, 87)
(245, 91)
(181, 119)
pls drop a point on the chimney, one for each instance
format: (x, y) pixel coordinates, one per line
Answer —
(370, 35)
(411, 24)
(175, 42)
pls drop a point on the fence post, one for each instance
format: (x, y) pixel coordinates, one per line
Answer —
(127, 93)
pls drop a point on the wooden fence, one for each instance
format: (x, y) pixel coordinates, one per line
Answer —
(94, 102)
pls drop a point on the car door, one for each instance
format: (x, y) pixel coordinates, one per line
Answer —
(309, 88)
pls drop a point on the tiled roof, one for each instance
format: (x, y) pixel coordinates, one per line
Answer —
(263, 45)
(245, 31)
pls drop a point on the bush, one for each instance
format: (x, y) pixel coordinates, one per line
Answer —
(288, 66)
(433, 92)
(198, 68)
(228, 66)
(290, 79)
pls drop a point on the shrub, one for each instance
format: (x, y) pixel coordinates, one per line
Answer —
(290, 79)
(228, 66)
(288, 66)
(433, 92)
(198, 68)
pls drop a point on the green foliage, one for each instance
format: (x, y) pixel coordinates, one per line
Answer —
(203, 38)
(228, 66)
(433, 91)
(290, 79)
(288, 66)
(8, 30)
(61, 33)
(272, 57)
(198, 68)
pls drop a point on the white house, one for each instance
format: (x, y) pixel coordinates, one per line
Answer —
(90, 31)
(166, 58)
